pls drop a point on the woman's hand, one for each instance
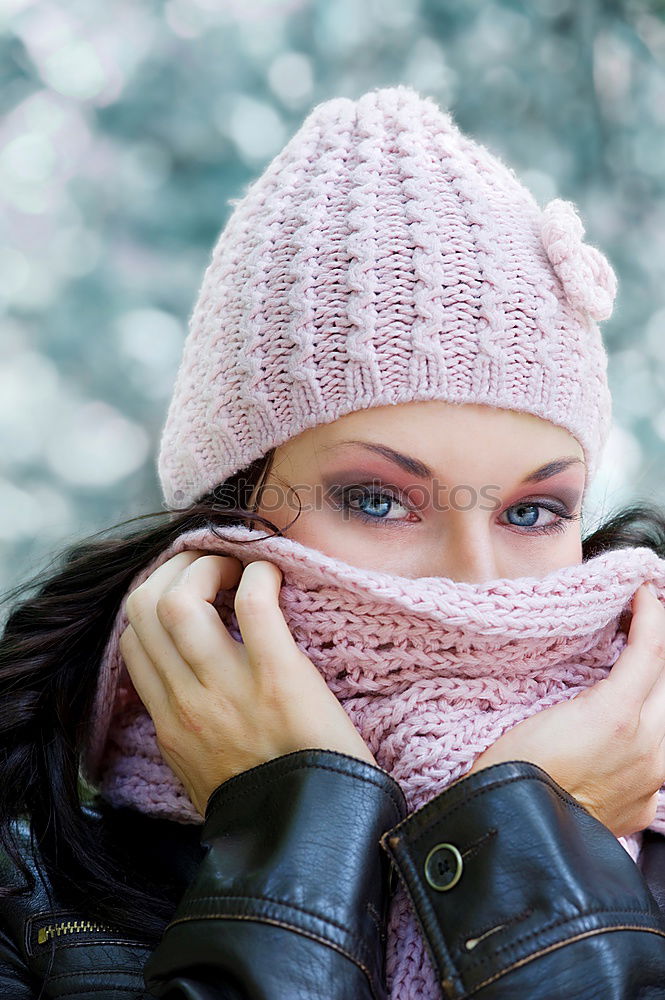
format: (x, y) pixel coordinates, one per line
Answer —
(220, 706)
(606, 746)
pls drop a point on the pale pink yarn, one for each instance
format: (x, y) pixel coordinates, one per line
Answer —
(584, 272)
(430, 671)
(383, 256)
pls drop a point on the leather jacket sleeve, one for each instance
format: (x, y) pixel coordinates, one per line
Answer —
(291, 899)
(519, 891)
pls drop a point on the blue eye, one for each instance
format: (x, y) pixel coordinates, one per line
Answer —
(528, 514)
(379, 501)
(531, 514)
(376, 505)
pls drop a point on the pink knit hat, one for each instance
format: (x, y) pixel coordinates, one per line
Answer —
(383, 257)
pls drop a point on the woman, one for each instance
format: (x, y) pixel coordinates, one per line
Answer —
(384, 283)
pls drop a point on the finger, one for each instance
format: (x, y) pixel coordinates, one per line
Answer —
(265, 633)
(187, 613)
(141, 610)
(164, 575)
(642, 660)
(652, 715)
(146, 680)
(210, 572)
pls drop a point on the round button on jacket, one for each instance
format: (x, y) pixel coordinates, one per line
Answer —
(443, 867)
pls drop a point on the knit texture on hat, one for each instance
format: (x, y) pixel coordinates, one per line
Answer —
(430, 671)
(383, 256)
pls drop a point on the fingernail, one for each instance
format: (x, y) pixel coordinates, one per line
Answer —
(652, 588)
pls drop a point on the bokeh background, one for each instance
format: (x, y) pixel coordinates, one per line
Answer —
(128, 125)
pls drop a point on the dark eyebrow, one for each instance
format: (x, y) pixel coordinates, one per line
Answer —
(422, 471)
(412, 465)
(551, 469)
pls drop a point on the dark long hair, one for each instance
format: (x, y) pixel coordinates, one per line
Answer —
(49, 658)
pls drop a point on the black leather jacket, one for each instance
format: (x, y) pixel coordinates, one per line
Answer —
(285, 890)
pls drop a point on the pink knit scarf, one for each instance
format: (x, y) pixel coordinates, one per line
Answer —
(430, 671)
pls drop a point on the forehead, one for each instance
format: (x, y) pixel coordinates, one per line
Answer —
(435, 429)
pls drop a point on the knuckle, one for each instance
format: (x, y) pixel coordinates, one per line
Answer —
(250, 600)
(172, 607)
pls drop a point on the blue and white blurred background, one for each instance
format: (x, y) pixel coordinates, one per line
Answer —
(127, 125)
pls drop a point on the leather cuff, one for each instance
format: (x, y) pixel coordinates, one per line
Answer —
(312, 861)
(505, 865)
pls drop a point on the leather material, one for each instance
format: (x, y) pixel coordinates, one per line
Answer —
(87, 964)
(284, 893)
(652, 864)
(326, 926)
(550, 876)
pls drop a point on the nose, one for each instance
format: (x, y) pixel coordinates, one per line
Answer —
(467, 553)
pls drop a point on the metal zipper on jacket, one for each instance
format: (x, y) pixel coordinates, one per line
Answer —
(51, 931)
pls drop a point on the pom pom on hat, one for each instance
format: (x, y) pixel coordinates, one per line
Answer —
(588, 280)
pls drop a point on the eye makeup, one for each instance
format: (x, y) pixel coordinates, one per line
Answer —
(348, 500)
(422, 471)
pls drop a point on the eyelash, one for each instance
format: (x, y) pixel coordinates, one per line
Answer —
(554, 527)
